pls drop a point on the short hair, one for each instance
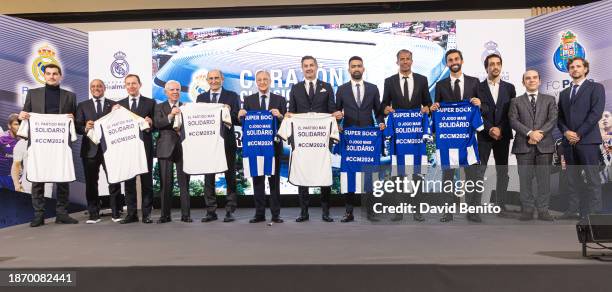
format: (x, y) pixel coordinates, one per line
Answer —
(403, 51)
(308, 58)
(133, 75)
(530, 69)
(92, 81)
(486, 60)
(215, 70)
(584, 62)
(262, 72)
(355, 58)
(170, 82)
(53, 66)
(12, 118)
(452, 51)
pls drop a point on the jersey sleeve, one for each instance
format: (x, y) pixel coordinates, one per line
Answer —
(284, 131)
(226, 116)
(24, 129)
(476, 119)
(334, 133)
(95, 134)
(178, 119)
(73, 136)
(20, 151)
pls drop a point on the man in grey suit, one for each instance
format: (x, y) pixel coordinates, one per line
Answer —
(533, 116)
(50, 99)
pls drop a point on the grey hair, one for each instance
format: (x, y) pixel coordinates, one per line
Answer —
(171, 81)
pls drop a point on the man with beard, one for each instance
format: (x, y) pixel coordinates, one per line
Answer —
(458, 87)
(496, 96)
(358, 101)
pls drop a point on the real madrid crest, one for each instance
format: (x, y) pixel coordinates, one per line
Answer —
(198, 84)
(120, 67)
(490, 48)
(46, 56)
(568, 48)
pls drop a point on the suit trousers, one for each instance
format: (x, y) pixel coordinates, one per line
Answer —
(38, 198)
(584, 192)
(304, 197)
(472, 173)
(146, 183)
(501, 150)
(540, 163)
(210, 196)
(91, 168)
(167, 182)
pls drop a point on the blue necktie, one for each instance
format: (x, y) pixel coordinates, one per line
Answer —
(263, 102)
(573, 94)
(98, 108)
(214, 99)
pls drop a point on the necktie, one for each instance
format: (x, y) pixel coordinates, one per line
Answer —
(533, 104)
(98, 108)
(214, 99)
(457, 91)
(134, 105)
(263, 102)
(358, 94)
(406, 92)
(573, 94)
(311, 89)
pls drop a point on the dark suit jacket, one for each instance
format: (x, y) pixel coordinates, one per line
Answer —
(146, 108)
(168, 137)
(35, 101)
(583, 112)
(233, 100)
(522, 121)
(322, 102)
(392, 93)
(86, 111)
(496, 114)
(444, 92)
(359, 116)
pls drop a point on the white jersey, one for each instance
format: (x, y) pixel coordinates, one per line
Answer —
(309, 136)
(203, 137)
(49, 152)
(120, 138)
(20, 154)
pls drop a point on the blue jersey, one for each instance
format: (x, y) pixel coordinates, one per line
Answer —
(258, 132)
(455, 125)
(408, 130)
(360, 149)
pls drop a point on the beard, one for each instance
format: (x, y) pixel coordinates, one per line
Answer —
(357, 75)
(455, 68)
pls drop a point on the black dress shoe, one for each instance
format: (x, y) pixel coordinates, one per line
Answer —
(447, 217)
(163, 220)
(397, 217)
(65, 219)
(210, 217)
(37, 221)
(277, 220)
(348, 217)
(302, 218)
(229, 217)
(147, 220)
(372, 218)
(186, 219)
(474, 217)
(129, 219)
(257, 219)
(326, 218)
(418, 217)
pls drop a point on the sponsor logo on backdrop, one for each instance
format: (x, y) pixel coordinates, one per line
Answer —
(490, 48)
(46, 56)
(120, 67)
(568, 48)
(198, 84)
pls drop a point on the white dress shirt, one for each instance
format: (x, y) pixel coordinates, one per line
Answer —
(358, 99)
(461, 83)
(494, 88)
(410, 81)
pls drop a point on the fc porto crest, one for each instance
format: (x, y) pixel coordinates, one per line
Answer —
(46, 56)
(568, 48)
(120, 67)
(490, 48)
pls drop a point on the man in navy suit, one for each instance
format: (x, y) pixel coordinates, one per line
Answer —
(312, 95)
(359, 103)
(406, 90)
(87, 113)
(218, 94)
(145, 108)
(456, 88)
(581, 106)
(277, 105)
(496, 96)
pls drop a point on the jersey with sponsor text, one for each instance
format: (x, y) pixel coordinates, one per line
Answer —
(258, 133)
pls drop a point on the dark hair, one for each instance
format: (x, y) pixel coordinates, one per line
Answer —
(53, 66)
(133, 75)
(308, 58)
(584, 62)
(486, 61)
(355, 58)
(403, 51)
(452, 51)
(12, 118)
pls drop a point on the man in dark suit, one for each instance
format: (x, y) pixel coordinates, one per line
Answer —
(218, 94)
(406, 90)
(145, 108)
(533, 116)
(456, 88)
(169, 152)
(277, 105)
(50, 99)
(580, 108)
(312, 95)
(496, 95)
(359, 103)
(87, 113)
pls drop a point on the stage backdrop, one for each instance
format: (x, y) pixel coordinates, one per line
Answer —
(187, 54)
(27, 46)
